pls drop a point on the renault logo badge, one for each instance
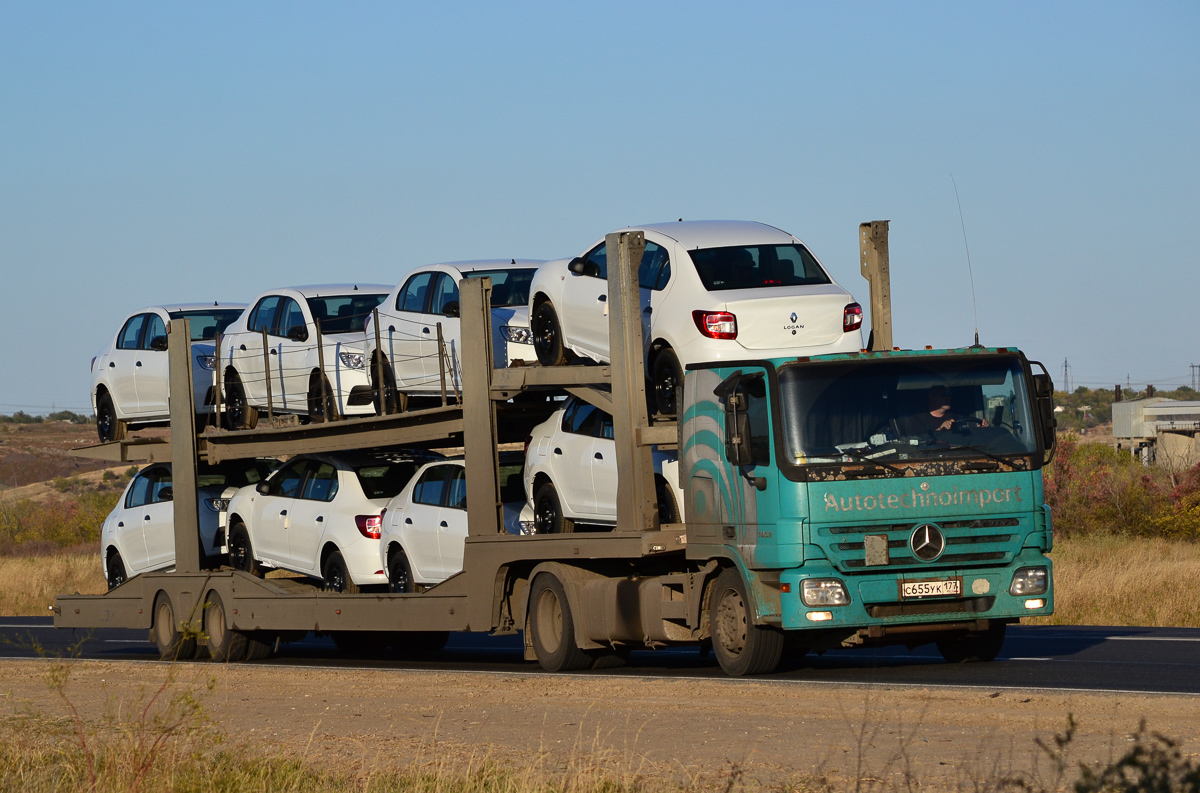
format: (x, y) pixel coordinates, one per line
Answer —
(794, 317)
(927, 542)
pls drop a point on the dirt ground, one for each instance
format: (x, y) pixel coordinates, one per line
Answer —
(690, 732)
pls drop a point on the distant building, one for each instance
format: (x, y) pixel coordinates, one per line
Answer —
(1147, 425)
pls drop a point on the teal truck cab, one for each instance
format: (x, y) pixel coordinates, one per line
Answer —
(874, 498)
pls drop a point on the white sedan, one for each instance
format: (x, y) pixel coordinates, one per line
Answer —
(571, 472)
(425, 526)
(139, 534)
(289, 321)
(710, 291)
(320, 515)
(410, 315)
(129, 376)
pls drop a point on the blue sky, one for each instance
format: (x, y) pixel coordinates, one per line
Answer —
(167, 152)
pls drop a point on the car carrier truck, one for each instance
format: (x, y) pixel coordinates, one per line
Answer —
(882, 497)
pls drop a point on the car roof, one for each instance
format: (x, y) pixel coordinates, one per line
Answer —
(474, 265)
(356, 458)
(719, 233)
(170, 307)
(329, 290)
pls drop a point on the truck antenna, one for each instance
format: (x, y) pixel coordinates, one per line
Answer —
(970, 270)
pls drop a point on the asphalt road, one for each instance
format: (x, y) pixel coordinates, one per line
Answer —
(1153, 660)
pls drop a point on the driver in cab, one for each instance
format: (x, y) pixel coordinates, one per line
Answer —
(939, 417)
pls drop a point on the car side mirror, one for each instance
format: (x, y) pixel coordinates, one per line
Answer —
(577, 266)
(450, 309)
(166, 494)
(298, 333)
(158, 343)
(263, 488)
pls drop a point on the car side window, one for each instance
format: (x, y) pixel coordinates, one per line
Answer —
(655, 269)
(160, 488)
(263, 316)
(445, 292)
(599, 257)
(131, 333)
(457, 496)
(139, 492)
(580, 419)
(605, 426)
(291, 316)
(322, 483)
(156, 329)
(288, 480)
(431, 486)
(412, 296)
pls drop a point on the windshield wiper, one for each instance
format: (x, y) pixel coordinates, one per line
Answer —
(857, 455)
(951, 448)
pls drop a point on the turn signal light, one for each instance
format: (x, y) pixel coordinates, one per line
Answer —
(369, 526)
(852, 318)
(716, 324)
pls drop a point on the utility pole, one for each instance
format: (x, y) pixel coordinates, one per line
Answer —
(1066, 381)
(1194, 367)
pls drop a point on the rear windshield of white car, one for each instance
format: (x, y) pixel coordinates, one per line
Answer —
(343, 313)
(385, 479)
(509, 287)
(206, 325)
(757, 266)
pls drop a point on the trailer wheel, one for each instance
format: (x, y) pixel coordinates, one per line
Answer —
(548, 513)
(172, 645)
(115, 570)
(241, 552)
(547, 335)
(666, 377)
(337, 575)
(239, 413)
(551, 628)
(974, 647)
(108, 426)
(224, 645)
(259, 645)
(741, 647)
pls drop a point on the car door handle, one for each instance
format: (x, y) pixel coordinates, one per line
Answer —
(145, 517)
(320, 518)
(408, 521)
(598, 456)
(139, 363)
(284, 512)
(112, 365)
(424, 330)
(121, 524)
(603, 298)
(242, 347)
(442, 524)
(273, 352)
(391, 328)
(557, 450)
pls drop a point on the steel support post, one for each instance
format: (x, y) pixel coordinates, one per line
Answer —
(479, 411)
(873, 254)
(183, 448)
(637, 505)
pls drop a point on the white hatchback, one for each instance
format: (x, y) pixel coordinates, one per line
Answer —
(425, 526)
(139, 534)
(320, 515)
(716, 290)
(287, 322)
(409, 318)
(571, 472)
(129, 377)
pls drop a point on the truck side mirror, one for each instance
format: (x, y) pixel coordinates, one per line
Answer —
(737, 431)
(1043, 390)
(158, 343)
(298, 333)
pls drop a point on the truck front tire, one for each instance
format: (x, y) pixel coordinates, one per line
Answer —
(551, 628)
(741, 647)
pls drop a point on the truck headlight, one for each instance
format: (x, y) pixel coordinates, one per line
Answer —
(823, 592)
(516, 335)
(352, 360)
(1029, 581)
(208, 362)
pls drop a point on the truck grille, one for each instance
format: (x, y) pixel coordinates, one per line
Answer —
(968, 542)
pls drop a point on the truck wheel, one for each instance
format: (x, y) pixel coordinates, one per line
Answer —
(224, 645)
(259, 645)
(667, 376)
(115, 570)
(239, 413)
(547, 512)
(321, 409)
(337, 576)
(551, 628)
(741, 647)
(547, 335)
(108, 426)
(172, 645)
(973, 647)
(400, 579)
(241, 552)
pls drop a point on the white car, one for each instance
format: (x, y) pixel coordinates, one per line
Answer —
(139, 534)
(716, 290)
(290, 318)
(425, 526)
(571, 472)
(320, 515)
(129, 377)
(409, 316)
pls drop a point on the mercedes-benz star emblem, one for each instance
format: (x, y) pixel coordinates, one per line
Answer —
(794, 317)
(927, 542)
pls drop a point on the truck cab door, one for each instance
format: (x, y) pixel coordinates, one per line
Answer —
(752, 509)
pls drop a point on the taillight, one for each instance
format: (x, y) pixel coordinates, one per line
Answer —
(716, 324)
(369, 526)
(852, 318)
(528, 440)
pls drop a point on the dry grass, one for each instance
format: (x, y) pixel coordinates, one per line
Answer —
(1106, 580)
(28, 584)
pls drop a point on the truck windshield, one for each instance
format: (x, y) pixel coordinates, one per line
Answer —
(894, 410)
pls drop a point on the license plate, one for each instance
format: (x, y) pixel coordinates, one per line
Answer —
(928, 589)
